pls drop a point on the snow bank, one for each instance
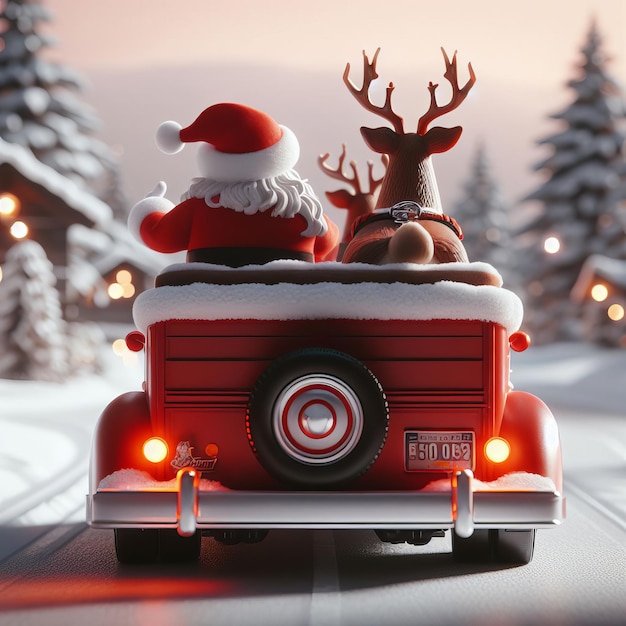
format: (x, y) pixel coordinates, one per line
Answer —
(516, 481)
(136, 480)
(366, 299)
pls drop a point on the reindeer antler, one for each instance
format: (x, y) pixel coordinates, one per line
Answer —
(375, 183)
(355, 182)
(458, 93)
(362, 95)
(338, 173)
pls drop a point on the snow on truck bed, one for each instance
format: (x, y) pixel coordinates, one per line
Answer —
(295, 290)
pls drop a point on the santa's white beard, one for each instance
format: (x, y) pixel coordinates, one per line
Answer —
(287, 195)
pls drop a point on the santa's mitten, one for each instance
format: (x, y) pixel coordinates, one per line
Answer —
(155, 204)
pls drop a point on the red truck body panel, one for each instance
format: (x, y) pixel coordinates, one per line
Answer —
(449, 375)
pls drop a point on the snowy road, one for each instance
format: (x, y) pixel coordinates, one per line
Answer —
(45, 440)
(56, 435)
(70, 576)
(67, 573)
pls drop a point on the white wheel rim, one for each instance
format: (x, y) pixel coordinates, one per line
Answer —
(317, 419)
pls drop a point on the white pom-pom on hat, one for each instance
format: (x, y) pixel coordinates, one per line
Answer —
(168, 137)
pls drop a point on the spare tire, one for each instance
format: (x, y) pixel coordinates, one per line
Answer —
(317, 418)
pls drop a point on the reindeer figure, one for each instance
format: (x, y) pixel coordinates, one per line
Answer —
(418, 232)
(358, 203)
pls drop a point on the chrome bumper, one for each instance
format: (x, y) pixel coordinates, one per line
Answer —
(188, 508)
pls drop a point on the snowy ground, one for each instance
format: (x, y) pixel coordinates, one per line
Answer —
(46, 429)
(45, 439)
(574, 376)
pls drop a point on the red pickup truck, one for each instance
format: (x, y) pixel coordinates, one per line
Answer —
(294, 395)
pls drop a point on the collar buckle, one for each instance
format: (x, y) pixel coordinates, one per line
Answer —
(405, 211)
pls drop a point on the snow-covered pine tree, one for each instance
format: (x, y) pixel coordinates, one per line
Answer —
(483, 215)
(577, 210)
(39, 111)
(33, 342)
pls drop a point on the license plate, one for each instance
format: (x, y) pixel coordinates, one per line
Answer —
(439, 450)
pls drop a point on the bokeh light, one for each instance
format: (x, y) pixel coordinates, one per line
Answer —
(599, 292)
(18, 230)
(551, 245)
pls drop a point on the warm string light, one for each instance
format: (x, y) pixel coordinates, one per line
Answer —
(9, 208)
(120, 349)
(9, 205)
(552, 245)
(599, 292)
(123, 287)
(616, 312)
(18, 230)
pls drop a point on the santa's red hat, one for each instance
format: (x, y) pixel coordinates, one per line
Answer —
(237, 143)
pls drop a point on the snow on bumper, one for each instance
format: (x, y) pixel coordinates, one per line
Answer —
(461, 506)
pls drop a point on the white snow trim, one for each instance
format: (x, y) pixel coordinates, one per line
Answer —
(515, 481)
(266, 163)
(143, 208)
(137, 480)
(329, 300)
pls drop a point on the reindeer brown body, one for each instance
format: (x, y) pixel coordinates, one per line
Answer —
(410, 175)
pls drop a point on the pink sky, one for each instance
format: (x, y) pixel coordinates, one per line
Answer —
(523, 54)
(529, 42)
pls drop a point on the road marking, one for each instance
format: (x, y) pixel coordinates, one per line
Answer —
(326, 595)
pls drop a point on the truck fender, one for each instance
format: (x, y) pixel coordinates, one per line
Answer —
(121, 430)
(530, 428)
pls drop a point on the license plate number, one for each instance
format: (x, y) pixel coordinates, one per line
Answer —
(439, 450)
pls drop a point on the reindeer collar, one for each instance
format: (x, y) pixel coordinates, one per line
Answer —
(406, 211)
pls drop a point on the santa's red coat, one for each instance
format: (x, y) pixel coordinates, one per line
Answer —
(193, 225)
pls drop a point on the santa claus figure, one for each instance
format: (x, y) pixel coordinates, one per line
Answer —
(248, 207)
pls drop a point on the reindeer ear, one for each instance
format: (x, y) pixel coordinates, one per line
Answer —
(382, 140)
(439, 139)
(340, 198)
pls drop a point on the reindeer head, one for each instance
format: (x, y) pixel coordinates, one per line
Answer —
(429, 236)
(410, 175)
(358, 202)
